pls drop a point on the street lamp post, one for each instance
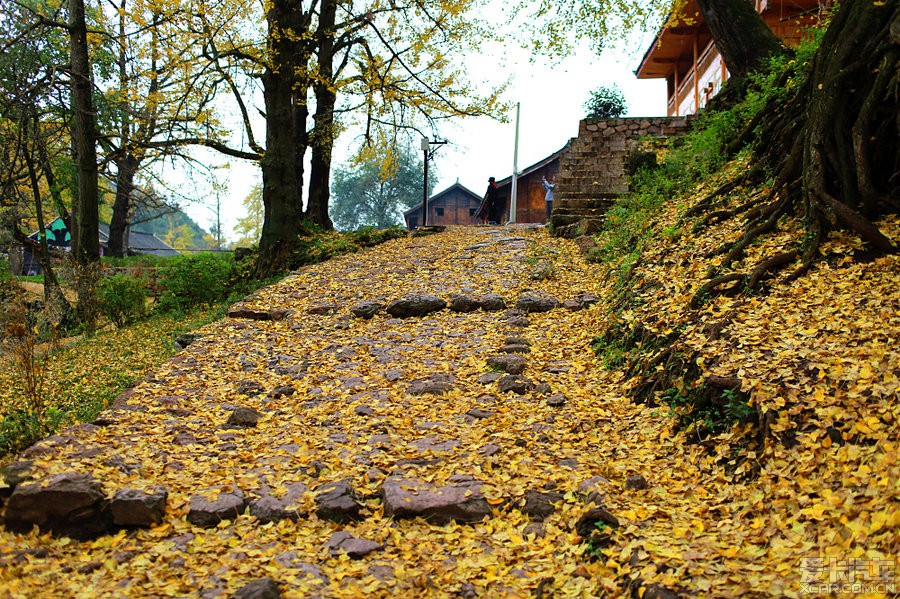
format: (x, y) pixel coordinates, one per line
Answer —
(426, 154)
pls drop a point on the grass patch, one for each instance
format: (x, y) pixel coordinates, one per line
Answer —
(31, 278)
(706, 411)
(663, 368)
(370, 236)
(82, 378)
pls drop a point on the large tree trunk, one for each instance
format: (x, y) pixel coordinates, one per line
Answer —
(320, 168)
(323, 133)
(118, 224)
(282, 194)
(50, 177)
(851, 142)
(126, 163)
(54, 299)
(86, 237)
(741, 36)
(86, 233)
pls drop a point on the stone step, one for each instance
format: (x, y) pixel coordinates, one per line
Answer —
(595, 175)
(596, 187)
(586, 194)
(607, 169)
(561, 220)
(590, 213)
(594, 190)
(576, 205)
(572, 230)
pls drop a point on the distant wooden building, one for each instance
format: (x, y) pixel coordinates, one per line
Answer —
(686, 56)
(531, 206)
(456, 205)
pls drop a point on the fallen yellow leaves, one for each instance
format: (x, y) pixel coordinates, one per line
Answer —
(822, 352)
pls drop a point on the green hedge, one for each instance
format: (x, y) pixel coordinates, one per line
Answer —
(122, 299)
(190, 281)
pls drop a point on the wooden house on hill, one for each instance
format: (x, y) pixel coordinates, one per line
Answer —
(531, 207)
(456, 205)
(686, 56)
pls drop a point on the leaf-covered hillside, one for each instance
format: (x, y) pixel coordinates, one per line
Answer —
(590, 473)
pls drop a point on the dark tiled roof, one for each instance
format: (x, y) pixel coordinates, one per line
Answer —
(437, 196)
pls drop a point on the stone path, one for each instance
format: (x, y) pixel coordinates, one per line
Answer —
(325, 441)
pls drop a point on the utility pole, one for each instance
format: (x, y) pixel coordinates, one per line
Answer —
(425, 143)
(515, 173)
(218, 222)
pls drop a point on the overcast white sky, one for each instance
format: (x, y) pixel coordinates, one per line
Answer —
(552, 96)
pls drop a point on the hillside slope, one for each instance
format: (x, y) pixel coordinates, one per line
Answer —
(408, 410)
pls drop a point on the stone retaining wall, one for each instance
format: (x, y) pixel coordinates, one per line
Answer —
(592, 172)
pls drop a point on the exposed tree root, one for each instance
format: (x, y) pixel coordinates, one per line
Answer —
(833, 149)
(716, 286)
(749, 177)
(765, 267)
(720, 216)
(741, 281)
(713, 330)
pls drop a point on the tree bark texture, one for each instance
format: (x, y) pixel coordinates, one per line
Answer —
(282, 179)
(740, 34)
(53, 295)
(833, 148)
(86, 237)
(126, 163)
(118, 224)
(322, 140)
(851, 145)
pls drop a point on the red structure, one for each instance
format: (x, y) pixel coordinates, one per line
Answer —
(686, 57)
(530, 204)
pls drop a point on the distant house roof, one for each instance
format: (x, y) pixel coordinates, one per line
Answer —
(57, 234)
(139, 242)
(536, 166)
(672, 42)
(441, 194)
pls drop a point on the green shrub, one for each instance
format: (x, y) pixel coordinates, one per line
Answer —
(705, 410)
(31, 278)
(8, 287)
(122, 299)
(190, 281)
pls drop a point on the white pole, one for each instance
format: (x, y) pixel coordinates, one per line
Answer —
(515, 174)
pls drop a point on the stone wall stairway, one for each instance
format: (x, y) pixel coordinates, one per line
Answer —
(593, 171)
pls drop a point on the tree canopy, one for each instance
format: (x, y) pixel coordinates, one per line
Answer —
(606, 102)
(375, 192)
(249, 226)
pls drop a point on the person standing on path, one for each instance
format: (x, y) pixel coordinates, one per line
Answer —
(489, 211)
(549, 186)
